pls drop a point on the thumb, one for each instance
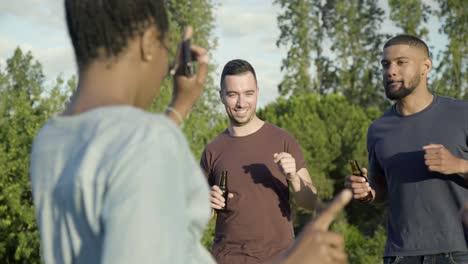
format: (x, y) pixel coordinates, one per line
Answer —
(188, 32)
(323, 221)
(230, 195)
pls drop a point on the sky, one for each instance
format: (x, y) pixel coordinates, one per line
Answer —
(245, 29)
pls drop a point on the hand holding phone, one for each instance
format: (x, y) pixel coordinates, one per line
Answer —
(187, 64)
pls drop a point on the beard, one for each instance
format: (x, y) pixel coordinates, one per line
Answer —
(403, 91)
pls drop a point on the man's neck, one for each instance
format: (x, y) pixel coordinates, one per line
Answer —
(241, 131)
(414, 103)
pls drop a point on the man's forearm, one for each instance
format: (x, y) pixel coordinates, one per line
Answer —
(306, 195)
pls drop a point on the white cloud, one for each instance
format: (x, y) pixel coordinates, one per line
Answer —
(47, 13)
(236, 22)
(248, 30)
(54, 60)
(37, 26)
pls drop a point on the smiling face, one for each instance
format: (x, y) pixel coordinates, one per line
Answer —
(239, 96)
(404, 69)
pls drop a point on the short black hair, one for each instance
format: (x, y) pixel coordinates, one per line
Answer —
(236, 67)
(409, 40)
(108, 25)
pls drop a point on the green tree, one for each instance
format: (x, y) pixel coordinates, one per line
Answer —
(296, 25)
(409, 16)
(343, 40)
(354, 30)
(452, 72)
(24, 106)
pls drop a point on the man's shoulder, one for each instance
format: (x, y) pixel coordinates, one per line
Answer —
(382, 119)
(277, 131)
(218, 141)
(453, 104)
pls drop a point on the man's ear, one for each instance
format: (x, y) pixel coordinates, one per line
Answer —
(148, 41)
(221, 96)
(427, 66)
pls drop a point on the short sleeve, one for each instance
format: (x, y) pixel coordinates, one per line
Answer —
(375, 170)
(206, 167)
(295, 150)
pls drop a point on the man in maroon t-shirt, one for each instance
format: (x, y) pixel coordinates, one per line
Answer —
(261, 160)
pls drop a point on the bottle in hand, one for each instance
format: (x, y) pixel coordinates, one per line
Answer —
(224, 188)
(356, 169)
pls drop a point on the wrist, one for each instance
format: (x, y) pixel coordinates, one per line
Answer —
(292, 177)
(463, 171)
(179, 109)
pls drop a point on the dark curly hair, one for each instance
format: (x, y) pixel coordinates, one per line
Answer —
(107, 25)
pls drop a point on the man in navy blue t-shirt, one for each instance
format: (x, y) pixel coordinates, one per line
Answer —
(418, 161)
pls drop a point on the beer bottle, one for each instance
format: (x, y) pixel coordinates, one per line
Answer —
(224, 188)
(355, 169)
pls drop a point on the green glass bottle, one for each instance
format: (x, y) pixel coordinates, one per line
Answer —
(223, 185)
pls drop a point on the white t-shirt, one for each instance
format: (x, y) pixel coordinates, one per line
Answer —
(118, 185)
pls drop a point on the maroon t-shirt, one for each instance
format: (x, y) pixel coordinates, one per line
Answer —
(257, 223)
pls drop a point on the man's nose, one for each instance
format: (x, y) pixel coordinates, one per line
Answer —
(240, 101)
(391, 70)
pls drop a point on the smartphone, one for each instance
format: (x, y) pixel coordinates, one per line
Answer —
(356, 169)
(188, 69)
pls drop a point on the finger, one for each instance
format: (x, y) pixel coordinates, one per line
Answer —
(433, 162)
(333, 239)
(230, 195)
(360, 190)
(323, 221)
(357, 185)
(433, 146)
(364, 171)
(217, 196)
(200, 54)
(216, 189)
(188, 32)
(432, 151)
(288, 161)
(281, 155)
(435, 168)
(360, 196)
(338, 256)
(288, 165)
(355, 178)
(203, 59)
(216, 204)
(431, 156)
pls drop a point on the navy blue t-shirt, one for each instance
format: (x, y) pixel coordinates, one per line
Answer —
(424, 207)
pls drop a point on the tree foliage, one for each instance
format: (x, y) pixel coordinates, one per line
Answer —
(330, 93)
(343, 40)
(25, 104)
(452, 72)
(409, 15)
